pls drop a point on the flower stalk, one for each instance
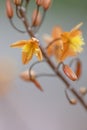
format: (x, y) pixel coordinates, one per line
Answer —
(67, 70)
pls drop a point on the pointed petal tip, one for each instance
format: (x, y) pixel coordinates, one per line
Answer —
(37, 84)
(81, 23)
(19, 44)
(77, 26)
(41, 89)
(13, 45)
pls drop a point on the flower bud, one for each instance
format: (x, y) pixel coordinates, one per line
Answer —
(78, 69)
(69, 73)
(36, 18)
(83, 90)
(17, 2)
(46, 4)
(39, 2)
(9, 9)
(73, 101)
(25, 76)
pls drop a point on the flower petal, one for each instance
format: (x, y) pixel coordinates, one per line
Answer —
(27, 53)
(38, 53)
(77, 27)
(76, 43)
(19, 44)
(68, 53)
(56, 32)
(50, 51)
(62, 54)
(37, 84)
(47, 38)
(26, 57)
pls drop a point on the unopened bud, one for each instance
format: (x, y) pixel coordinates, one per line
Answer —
(83, 90)
(9, 9)
(17, 2)
(73, 101)
(46, 4)
(25, 76)
(69, 73)
(78, 69)
(36, 18)
(39, 2)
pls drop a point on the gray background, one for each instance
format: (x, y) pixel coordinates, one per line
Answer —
(25, 107)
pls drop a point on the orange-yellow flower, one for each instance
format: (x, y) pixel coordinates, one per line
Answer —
(67, 43)
(29, 47)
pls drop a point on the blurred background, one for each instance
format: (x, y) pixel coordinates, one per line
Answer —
(22, 105)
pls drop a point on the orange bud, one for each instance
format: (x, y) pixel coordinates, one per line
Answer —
(17, 2)
(9, 9)
(83, 90)
(46, 4)
(69, 73)
(78, 69)
(36, 18)
(25, 76)
(39, 2)
(73, 101)
(37, 84)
